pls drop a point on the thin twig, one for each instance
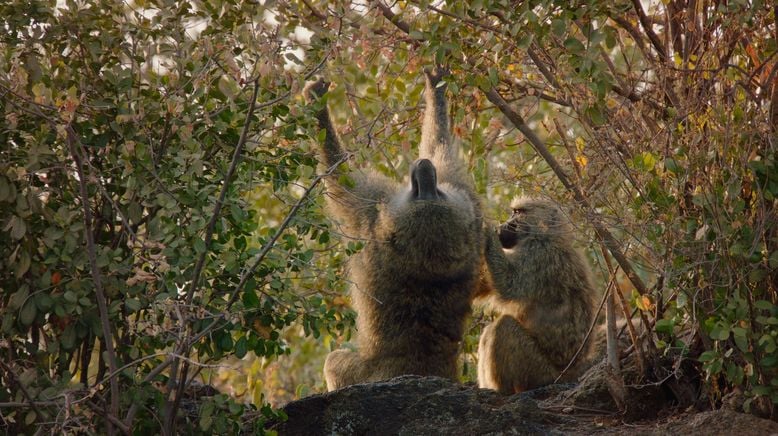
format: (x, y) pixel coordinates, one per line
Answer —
(586, 338)
(31, 402)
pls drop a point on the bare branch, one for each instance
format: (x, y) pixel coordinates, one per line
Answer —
(645, 22)
(386, 11)
(102, 306)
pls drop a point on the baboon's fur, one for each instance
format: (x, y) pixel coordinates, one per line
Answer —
(414, 280)
(544, 296)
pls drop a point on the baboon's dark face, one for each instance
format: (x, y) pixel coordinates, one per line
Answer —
(424, 181)
(530, 218)
(509, 235)
(432, 228)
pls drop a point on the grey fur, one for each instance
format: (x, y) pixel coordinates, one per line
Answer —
(414, 280)
(543, 292)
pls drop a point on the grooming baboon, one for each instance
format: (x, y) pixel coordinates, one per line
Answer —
(543, 293)
(415, 277)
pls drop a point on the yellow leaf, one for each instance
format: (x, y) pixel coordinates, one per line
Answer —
(582, 160)
(644, 303)
(579, 144)
(677, 60)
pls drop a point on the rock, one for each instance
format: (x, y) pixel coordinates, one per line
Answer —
(719, 422)
(413, 405)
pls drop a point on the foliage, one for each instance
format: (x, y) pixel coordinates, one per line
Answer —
(156, 98)
(662, 119)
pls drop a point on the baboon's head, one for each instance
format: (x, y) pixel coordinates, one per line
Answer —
(431, 228)
(532, 218)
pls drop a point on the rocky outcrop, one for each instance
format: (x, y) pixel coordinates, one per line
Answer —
(412, 405)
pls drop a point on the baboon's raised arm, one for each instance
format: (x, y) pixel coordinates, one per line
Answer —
(505, 282)
(436, 143)
(332, 151)
(354, 195)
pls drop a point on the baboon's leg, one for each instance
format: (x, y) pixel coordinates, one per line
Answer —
(509, 359)
(343, 368)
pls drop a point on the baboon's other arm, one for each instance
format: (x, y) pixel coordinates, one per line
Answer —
(354, 195)
(436, 143)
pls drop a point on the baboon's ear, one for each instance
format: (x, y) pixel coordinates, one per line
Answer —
(556, 219)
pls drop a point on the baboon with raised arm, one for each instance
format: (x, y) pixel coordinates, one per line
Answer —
(543, 293)
(414, 280)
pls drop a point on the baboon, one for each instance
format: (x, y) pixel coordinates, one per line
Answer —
(543, 293)
(413, 281)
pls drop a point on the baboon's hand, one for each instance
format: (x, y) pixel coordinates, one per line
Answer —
(436, 74)
(315, 90)
(490, 238)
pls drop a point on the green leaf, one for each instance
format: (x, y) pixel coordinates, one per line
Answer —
(22, 264)
(596, 115)
(44, 302)
(17, 226)
(132, 304)
(347, 181)
(19, 297)
(415, 34)
(773, 260)
(5, 189)
(493, 78)
(741, 338)
(767, 342)
(225, 342)
(250, 299)
(769, 361)
(199, 246)
(720, 332)
(665, 326)
(708, 356)
(68, 338)
(28, 312)
(574, 46)
(672, 165)
(558, 27)
(241, 347)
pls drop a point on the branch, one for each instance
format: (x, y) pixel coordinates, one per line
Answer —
(314, 11)
(645, 22)
(220, 201)
(602, 232)
(75, 146)
(386, 11)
